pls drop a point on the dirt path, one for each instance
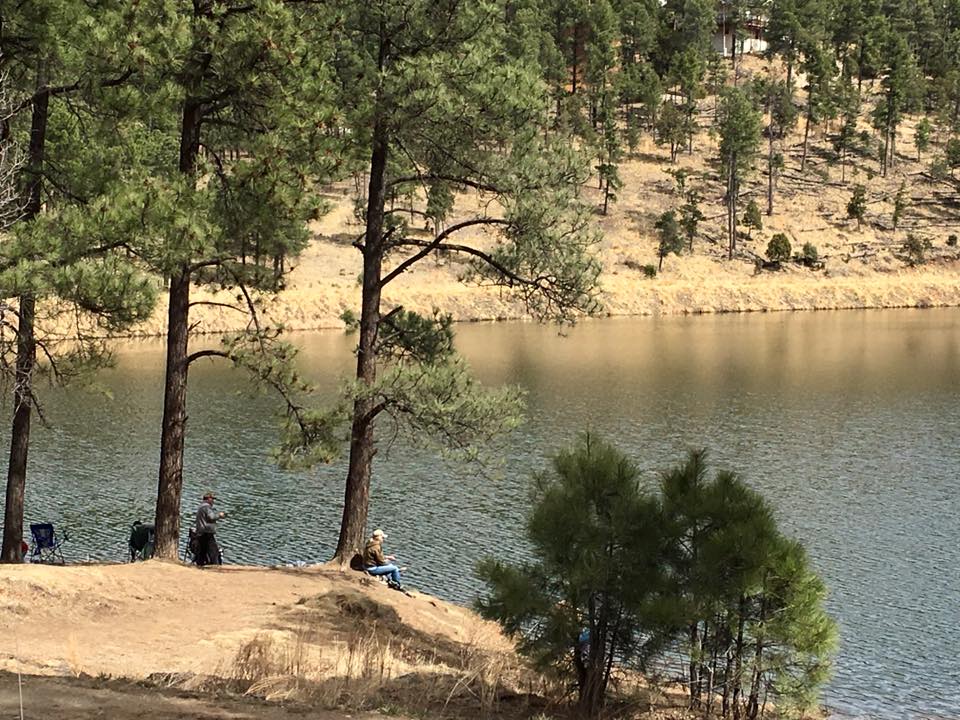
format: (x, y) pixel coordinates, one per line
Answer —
(89, 698)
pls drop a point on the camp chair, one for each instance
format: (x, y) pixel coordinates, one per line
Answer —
(192, 548)
(141, 541)
(46, 544)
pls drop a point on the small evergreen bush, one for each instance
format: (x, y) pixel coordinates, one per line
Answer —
(778, 250)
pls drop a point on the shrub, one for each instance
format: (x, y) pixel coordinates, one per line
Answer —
(752, 217)
(810, 254)
(649, 271)
(350, 319)
(668, 230)
(916, 249)
(599, 569)
(857, 207)
(623, 577)
(778, 250)
(952, 241)
(951, 154)
(939, 169)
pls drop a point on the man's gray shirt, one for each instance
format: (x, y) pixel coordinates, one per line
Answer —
(206, 520)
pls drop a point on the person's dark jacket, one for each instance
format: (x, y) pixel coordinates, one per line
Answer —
(373, 553)
(207, 517)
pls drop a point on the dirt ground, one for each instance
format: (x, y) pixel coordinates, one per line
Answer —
(164, 618)
(96, 698)
(163, 640)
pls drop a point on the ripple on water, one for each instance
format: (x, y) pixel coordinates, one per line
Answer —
(846, 421)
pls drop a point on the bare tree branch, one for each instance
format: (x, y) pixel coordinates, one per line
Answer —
(437, 244)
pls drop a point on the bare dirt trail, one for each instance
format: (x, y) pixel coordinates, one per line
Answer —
(95, 699)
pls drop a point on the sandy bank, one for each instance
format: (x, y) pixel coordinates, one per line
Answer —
(163, 618)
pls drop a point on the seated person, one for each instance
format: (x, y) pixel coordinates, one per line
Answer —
(376, 563)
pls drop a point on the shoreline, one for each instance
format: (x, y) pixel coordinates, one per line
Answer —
(917, 291)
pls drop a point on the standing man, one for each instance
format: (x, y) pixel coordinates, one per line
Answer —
(208, 552)
(375, 562)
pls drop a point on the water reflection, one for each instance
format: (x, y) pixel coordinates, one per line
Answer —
(845, 420)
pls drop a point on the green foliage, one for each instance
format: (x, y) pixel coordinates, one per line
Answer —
(900, 205)
(779, 249)
(939, 169)
(598, 549)
(951, 154)
(809, 253)
(916, 248)
(649, 271)
(610, 157)
(739, 124)
(350, 320)
(952, 240)
(620, 577)
(857, 206)
(674, 128)
(752, 217)
(921, 136)
(735, 578)
(668, 233)
(690, 216)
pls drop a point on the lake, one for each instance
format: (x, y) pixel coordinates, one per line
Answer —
(847, 421)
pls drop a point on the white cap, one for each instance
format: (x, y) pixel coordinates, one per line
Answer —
(379, 533)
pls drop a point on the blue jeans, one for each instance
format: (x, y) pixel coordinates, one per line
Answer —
(392, 570)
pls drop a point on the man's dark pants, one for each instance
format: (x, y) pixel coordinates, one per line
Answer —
(208, 553)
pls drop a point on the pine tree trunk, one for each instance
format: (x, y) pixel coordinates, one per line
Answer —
(574, 68)
(170, 481)
(695, 646)
(356, 500)
(753, 702)
(725, 694)
(738, 659)
(20, 435)
(806, 136)
(770, 169)
(26, 349)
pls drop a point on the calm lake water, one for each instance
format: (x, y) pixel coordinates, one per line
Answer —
(847, 421)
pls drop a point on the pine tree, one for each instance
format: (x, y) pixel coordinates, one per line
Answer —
(429, 96)
(739, 140)
(222, 79)
(690, 217)
(900, 203)
(901, 90)
(857, 207)
(921, 136)
(820, 70)
(64, 250)
(849, 109)
(669, 238)
(590, 597)
(777, 100)
(673, 128)
(752, 217)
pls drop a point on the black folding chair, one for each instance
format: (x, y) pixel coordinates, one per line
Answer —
(141, 541)
(46, 544)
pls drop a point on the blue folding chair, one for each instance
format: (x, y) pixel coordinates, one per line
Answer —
(46, 544)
